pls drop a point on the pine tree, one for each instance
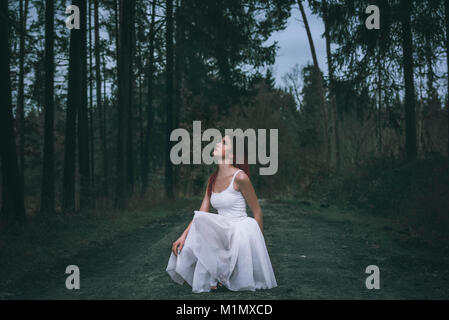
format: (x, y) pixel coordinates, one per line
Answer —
(407, 46)
(48, 188)
(13, 208)
(169, 98)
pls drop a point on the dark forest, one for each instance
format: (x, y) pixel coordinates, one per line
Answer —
(86, 116)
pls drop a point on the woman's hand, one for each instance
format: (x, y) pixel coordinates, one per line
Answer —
(178, 244)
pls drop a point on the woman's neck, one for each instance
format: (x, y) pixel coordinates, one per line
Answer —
(224, 169)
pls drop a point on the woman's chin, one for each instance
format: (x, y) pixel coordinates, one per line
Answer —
(218, 160)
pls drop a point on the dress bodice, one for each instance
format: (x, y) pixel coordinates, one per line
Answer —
(229, 202)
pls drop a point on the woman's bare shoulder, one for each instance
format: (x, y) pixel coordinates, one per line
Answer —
(242, 177)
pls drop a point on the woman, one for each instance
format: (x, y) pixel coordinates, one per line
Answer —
(227, 248)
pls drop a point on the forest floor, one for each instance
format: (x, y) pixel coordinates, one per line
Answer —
(317, 253)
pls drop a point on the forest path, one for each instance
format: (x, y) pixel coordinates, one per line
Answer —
(316, 253)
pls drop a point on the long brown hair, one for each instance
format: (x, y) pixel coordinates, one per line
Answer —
(243, 166)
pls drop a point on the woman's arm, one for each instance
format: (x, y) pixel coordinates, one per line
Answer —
(246, 187)
(180, 242)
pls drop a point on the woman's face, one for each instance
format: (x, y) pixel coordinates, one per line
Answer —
(223, 149)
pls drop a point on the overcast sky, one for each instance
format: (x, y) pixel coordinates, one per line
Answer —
(294, 46)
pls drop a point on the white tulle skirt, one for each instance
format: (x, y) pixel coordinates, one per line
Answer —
(218, 248)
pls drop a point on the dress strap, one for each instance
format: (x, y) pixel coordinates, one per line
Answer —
(231, 185)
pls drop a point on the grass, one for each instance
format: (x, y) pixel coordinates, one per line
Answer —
(413, 194)
(39, 246)
(317, 253)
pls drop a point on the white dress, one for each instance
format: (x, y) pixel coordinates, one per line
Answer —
(228, 247)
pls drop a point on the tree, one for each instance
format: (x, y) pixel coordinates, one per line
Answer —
(333, 104)
(130, 107)
(48, 188)
(83, 119)
(105, 126)
(13, 208)
(124, 81)
(317, 73)
(407, 46)
(101, 110)
(178, 71)
(178, 68)
(309, 133)
(370, 58)
(221, 39)
(23, 8)
(446, 11)
(91, 103)
(75, 98)
(169, 98)
(149, 109)
(428, 16)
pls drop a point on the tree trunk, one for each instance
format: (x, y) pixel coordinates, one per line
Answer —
(446, 10)
(309, 34)
(13, 208)
(130, 126)
(74, 99)
(98, 89)
(20, 95)
(333, 107)
(117, 16)
(179, 34)
(178, 61)
(321, 86)
(379, 108)
(91, 104)
(124, 67)
(117, 35)
(169, 99)
(105, 126)
(432, 95)
(83, 120)
(141, 135)
(410, 116)
(430, 74)
(48, 188)
(149, 111)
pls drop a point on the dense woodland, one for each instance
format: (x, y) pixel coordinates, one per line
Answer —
(86, 114)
